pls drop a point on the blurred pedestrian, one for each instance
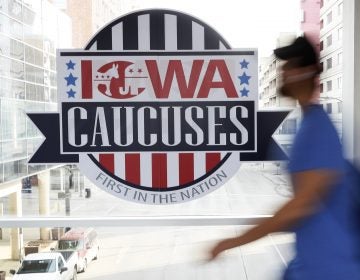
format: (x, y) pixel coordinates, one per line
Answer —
(320, 212)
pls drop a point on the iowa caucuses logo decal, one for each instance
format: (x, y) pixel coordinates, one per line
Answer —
(157, 109)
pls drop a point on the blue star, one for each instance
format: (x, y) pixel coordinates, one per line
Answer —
(244, 79)
(71, 93)
(244, 64)
(244, 92)
(70, 80)
(70, 65)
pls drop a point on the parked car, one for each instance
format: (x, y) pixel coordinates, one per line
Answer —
(47, 266)
(82, 240)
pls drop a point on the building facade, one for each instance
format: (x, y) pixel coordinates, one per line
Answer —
(269, 98)
(29, 35)
(331, 54)
(88, 16)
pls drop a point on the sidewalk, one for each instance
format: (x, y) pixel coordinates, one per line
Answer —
(5, 259)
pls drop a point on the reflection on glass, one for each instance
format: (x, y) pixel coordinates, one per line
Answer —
(1, 169)
(34, 92)
(11, 27)
(15, 169)
(12, 88)
(33, 56)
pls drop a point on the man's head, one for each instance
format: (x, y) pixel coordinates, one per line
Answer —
(300, 68)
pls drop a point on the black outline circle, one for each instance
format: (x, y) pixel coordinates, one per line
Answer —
(189, 17)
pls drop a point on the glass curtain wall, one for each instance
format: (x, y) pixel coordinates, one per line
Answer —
(29, 35)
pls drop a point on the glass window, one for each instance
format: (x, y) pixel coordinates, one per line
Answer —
(60, 263)
(53, 95)
(35, 92)
(14, 149)
(321, 87)
(12, 8)
(329, 85)
(321, 45)
(37, 266)
(329, 40)
(339, 82)
(15, 169)
(340, 32)
(13, 120)
(34, 74)
(33, 56)
(11, 68)
(329, 18)
(340, 9)
(36, 168)
(12, 88)
(1, 170)
(329, 63)
(34, 143)
(339, 56)
(29, 15)
(289, 127)
(329, 108)
(339, 107)
(11, 48)
(11, 27)
(321, 24)
(16, 49)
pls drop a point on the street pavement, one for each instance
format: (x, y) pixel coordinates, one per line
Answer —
(180, 252)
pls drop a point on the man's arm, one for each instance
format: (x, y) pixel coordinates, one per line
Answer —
(310, 189)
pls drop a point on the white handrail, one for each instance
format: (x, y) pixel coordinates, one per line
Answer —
(131, 221)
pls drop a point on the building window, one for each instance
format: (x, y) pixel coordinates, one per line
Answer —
(321, 45)
(329, 18)
(340, 32)
(321, 66)
(329, 108)
(329, 40)
(289, 127)
(329, 63)
(340, 9)
(329, 85)
(339, 107)
(321, 86)
(339, 58)
(339, 82)
(321, 24)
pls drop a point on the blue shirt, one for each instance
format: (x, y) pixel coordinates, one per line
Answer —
(325, 242)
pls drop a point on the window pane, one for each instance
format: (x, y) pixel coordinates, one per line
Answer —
(12, 8)
(11, 68)
(12, 88)
(11, 27)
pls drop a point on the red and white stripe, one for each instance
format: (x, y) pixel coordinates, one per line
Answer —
(159, 170)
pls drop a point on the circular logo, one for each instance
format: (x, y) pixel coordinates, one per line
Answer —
(165, 108)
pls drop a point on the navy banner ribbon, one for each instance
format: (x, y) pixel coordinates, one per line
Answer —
(49, 151)
(267, 148)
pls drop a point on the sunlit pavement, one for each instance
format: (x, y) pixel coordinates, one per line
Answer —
(180, 253)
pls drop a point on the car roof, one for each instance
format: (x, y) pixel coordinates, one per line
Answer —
(42, 256)
(76, 233)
